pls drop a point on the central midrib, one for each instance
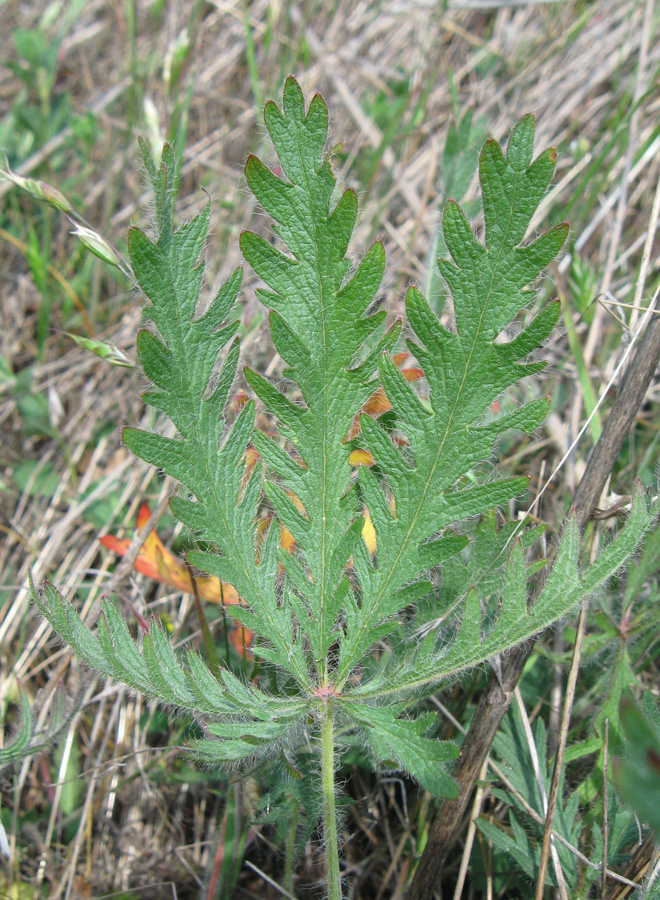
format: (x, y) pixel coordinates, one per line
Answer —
(324, 453)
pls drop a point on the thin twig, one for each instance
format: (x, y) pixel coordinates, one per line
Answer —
(594, 332)
(561, 747)
(626, 305)
(557, 691)
(531, 812)
(646, 257)
(472, 828)
(634, 385)
(269, 880)
(563, 730)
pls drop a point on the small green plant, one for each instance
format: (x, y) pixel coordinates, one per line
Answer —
(27, 740)
(318, 613)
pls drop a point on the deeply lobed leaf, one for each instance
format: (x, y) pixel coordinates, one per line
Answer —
(151, 667)
(563, 591)
(318, 610)
(466, 371)
(319, 323)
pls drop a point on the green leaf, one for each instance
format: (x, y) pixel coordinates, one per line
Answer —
(401, 740)
(321, 327)
(517, 844)
(14, 749)
(612, 558)
(318, 608)
(206, 457)
(465, 371)
(152, 667)
(513, 752)
(638, 772)
(26, 740)
(36, 478)
(562, 592)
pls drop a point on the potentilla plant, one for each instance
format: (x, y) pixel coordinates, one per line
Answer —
(319, 609)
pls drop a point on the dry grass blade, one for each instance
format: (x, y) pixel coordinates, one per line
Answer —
(540, 780)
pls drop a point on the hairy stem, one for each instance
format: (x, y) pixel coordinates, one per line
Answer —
(329, 813)
(291, 848)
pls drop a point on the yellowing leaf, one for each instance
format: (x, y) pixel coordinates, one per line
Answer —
(369, 533)
(361, 458)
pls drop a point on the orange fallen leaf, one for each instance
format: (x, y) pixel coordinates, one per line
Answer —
(240, 638)
(156, 561)
(368, 530)
(413, 374)
(251, 459)
(361, 458)
(287, 540)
